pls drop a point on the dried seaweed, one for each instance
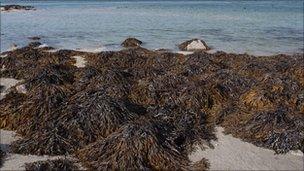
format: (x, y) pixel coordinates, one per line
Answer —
(142, 109)
(52, 165)
(2, 155)
(9, 106)
(139, 145)
(2, 88)
(64, 129)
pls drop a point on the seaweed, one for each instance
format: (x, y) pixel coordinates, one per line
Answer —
(52, 165)
(142, 109)
(52, 74)
(64, 129)
(92, 114)
(139, 145)
(9, 105)
(2, 155)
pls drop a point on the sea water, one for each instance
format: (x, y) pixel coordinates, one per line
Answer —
(254, 27)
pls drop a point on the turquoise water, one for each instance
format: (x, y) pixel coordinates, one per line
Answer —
(254, 27)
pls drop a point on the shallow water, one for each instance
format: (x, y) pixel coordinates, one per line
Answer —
(254, 27)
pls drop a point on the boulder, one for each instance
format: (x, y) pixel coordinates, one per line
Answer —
(131, 42)
(34, 38)
(16, 7)
(34, 44)
(192, 45)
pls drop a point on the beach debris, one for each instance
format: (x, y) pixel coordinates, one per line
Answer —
(21, 88)
(142, 109)
(131, 42)
(193, 44)
(15, 7)
(52, 165)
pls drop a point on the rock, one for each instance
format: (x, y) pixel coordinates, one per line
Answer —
(16, 7)
(131, 42)
(13, 47)
(34, 44)
(194, 44)
(34, 38)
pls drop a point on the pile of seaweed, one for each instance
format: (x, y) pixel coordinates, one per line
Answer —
(142, 109)
(52, 165)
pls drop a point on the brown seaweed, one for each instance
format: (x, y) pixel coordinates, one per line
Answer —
(52, 165)
(2, 155)
(142, 109)
(139, 145)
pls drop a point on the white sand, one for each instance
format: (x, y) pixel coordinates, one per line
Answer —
(185, 52)
(52, 50)
(13, 47)
(92, 50)
(233, 154)
(80, 61)
(7, 83)
(3, 56)
(196, 45)
(43, 46)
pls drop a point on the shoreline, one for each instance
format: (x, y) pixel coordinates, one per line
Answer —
(174, 50)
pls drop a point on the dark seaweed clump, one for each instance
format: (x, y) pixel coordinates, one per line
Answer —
(140, 109)
(52, 165)
(2, 155)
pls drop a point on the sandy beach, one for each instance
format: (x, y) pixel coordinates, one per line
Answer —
(229, 154)
(234, 154)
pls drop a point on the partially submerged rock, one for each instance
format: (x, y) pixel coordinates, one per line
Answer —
(34, 38)
(15, 7)
(193, 45)
(131, 43)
